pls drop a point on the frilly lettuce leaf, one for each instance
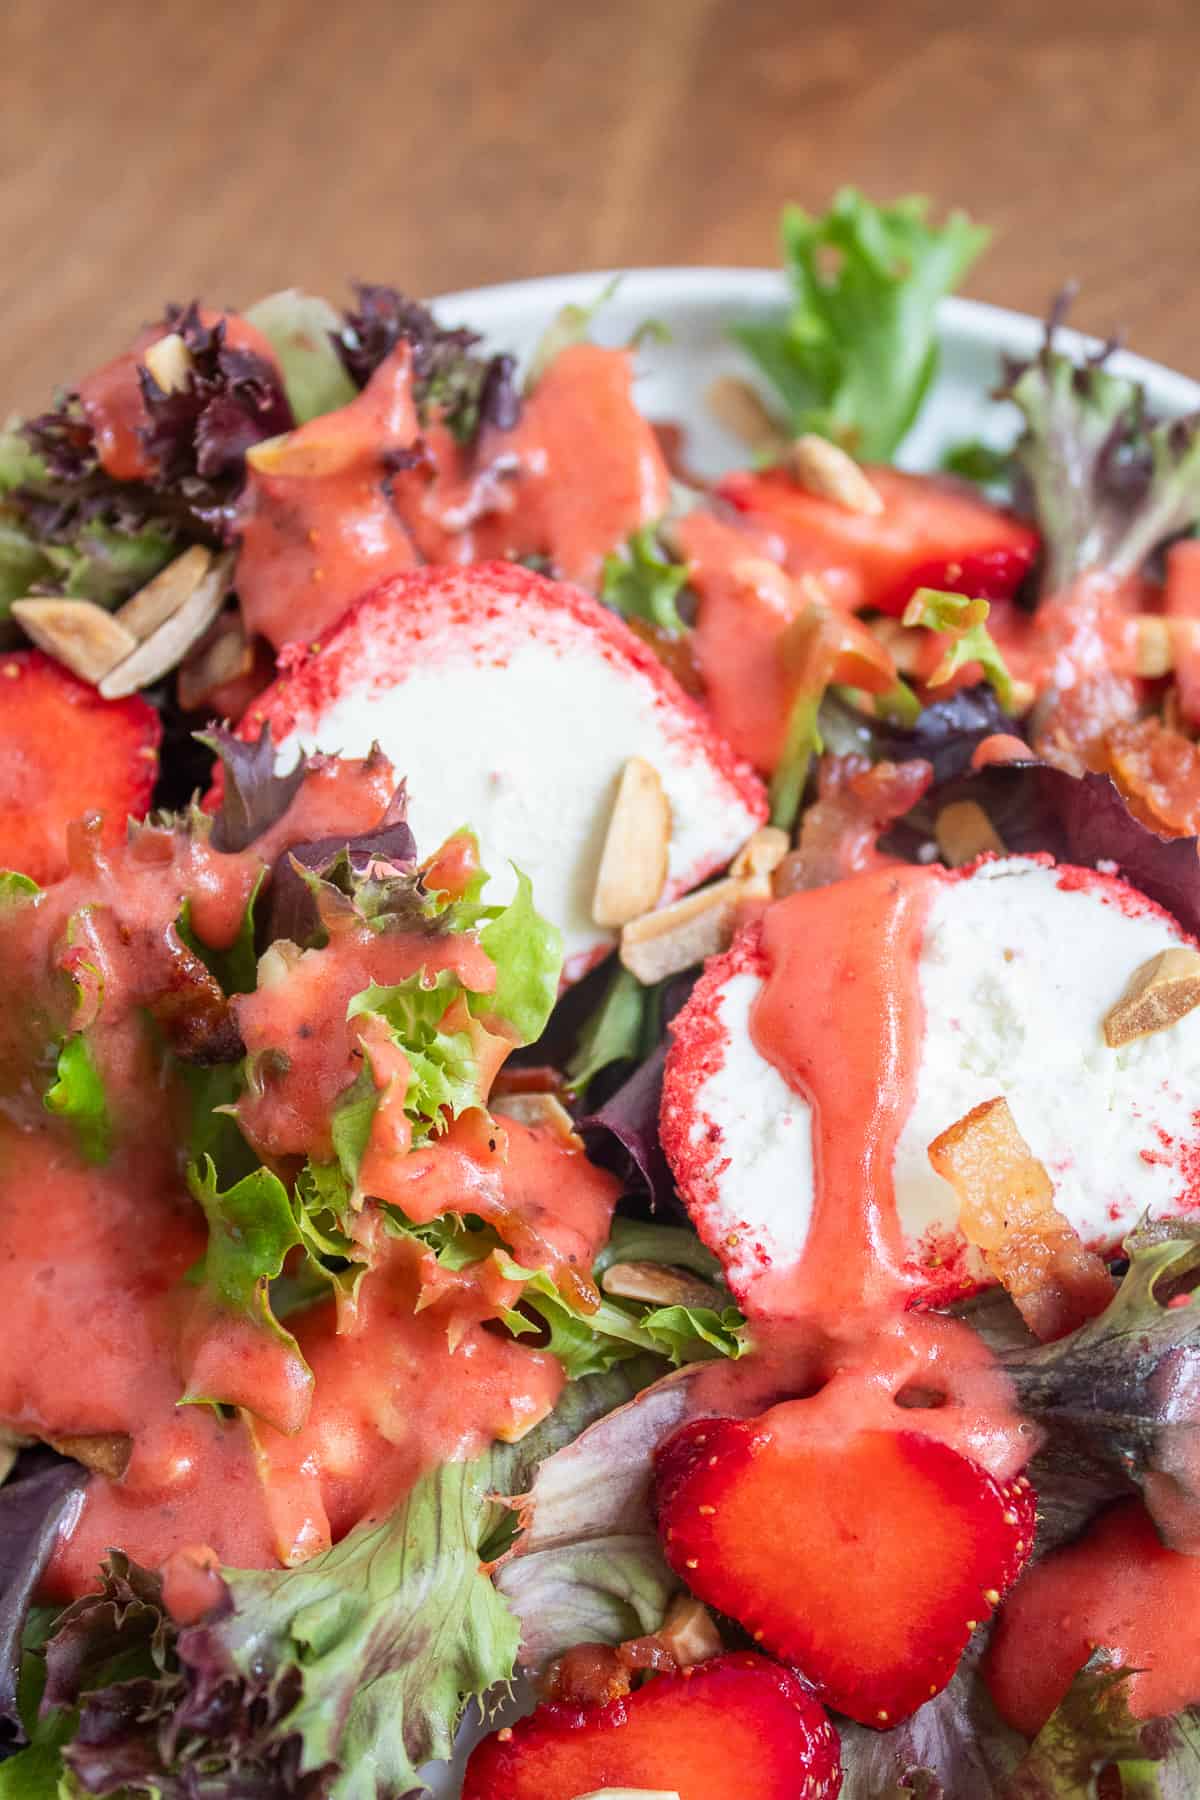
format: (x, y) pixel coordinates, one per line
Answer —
(1108, 484)
(971, 641)
(444, 1075)
(855, 354)
(528, 952)
(77, 1096)
(251, 1230)
(640, 582)
(339, 1678)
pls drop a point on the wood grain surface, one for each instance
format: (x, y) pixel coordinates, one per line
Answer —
(155, 149)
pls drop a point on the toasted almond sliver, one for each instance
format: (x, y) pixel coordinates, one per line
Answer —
(538, 1110)
(171, 641)
(682, 934)
(302, 453)
(1159, 994)
(964, 832)
(162, 596)
(762, 853)
(633, 863)
(689, 1633)
(170, 362)
(826, 470)
(222, 655)
(658, 1284)
(1155, 649)
(739, 407)
(78, 633)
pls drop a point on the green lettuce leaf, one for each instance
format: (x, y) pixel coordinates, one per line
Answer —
(1091, 1729)
(612, 1033)
(528, 953)
(341, 1677)
(251, 1229)
(855, 354)
(1108, 486)
(300, 329)
(236, 968)
(640, 582)
(444, 1073)
(77, 1096)
(803, 742)
(572, 324)
(972, 641)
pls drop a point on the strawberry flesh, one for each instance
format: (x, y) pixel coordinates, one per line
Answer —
(738, 1725)
(865, 1561)
(65, 752)
(931, 533)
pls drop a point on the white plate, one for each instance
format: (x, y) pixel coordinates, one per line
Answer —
(698, 306)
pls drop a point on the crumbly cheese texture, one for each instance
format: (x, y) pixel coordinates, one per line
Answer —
(519, 724)
(1020, 961)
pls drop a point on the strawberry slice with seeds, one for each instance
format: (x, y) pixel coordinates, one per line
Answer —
(738, 1725)
(866, 1561)
(65, 752)
(931, 533)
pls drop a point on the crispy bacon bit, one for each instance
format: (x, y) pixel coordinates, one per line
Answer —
(1007, 1210)
(964, 831)
(1160, 993)
(1158, 771)
(856, 802)
(586, 1675)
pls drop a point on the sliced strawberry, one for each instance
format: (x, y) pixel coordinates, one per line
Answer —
(865, 1561)
(737, 1725)
(931, 533)
(65, 752)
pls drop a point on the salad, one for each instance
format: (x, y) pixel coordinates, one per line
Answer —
(599, 1077)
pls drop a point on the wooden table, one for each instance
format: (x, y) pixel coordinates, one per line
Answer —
(161, 148)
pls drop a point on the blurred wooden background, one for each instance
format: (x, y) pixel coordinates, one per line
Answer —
(155, 149)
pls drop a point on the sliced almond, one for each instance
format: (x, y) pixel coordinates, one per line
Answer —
(964, 831)
(689, 930)
(658, 1285)
(170, 641)
(155, 603)
(1159, 994)
(633, 863)
(762, 853)
(739, 407)
(104, 1453)
(538, 1111)
(304, 452)
(170, 362)
(825, 469)
(1155, 651)
(78, 633)
(222, 655)
(689, 1633)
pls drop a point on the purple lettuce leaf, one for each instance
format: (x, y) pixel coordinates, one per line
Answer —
(945, 734)
(36, 1503)
(622, 1134)
(469, 391)
(254, 797)
(344, 862)
(198, 433)
(1083, 819)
